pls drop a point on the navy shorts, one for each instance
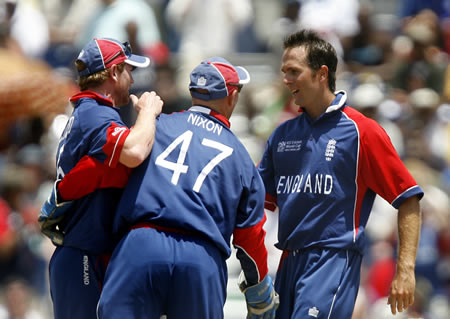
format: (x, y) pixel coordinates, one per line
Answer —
(75, 283)
(318, 283)
(152, 273)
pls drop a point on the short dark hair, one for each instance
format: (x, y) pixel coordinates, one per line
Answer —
(318, 52)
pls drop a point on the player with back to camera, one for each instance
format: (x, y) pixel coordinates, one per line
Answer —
(95, 155)
(180, 208)
(323, 170)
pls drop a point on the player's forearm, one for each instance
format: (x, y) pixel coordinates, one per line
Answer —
(409, 221)
(139, 142)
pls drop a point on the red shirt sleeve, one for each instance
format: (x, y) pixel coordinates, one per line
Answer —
(115, 139)
(252, 252)
(90, 174)
(380, 168)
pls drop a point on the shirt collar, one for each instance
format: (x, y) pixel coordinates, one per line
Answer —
(92, 95)
(338, 102)
(206, 110)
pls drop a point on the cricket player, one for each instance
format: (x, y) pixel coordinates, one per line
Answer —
(95, 154)
(180, 208)
(323, 169)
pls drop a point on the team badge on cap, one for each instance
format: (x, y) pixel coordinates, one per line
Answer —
(217, 76)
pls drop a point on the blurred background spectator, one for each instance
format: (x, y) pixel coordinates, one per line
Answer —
(205, 28)
(338, 29)
(18, 302)
(393, 63)
(286, 24)
(28, 26)
(66, 19)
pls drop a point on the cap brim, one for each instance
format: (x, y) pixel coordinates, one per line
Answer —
(138, 61)
(244, 76)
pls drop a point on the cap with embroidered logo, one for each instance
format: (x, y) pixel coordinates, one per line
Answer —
(100, 54)
(218, 77)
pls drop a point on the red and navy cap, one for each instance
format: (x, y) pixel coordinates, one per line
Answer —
(100, 54)
(217, 76)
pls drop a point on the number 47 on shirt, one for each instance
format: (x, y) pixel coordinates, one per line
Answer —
(178, 167)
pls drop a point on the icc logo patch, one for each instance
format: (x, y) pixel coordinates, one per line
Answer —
(281, 146)
(289, 146)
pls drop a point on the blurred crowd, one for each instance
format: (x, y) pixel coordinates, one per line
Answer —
(393, 64)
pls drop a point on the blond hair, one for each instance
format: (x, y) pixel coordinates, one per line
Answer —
(96, 79)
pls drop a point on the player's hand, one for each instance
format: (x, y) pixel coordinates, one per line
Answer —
(49, 227)
(149, 101)
(401, 295)
(51, 214)
(262, 300)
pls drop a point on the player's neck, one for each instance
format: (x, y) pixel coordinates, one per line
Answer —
(103, 90)
(320, 104)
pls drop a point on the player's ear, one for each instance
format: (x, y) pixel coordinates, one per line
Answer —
(232, 100)
(323, 73)
(114, 72)
(234, 97)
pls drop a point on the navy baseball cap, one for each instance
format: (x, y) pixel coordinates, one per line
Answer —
(100, 54)
(217, 76)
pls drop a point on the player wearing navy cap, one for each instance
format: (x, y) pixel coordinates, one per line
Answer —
(323, 169)
(180, 208)
(94, 157)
